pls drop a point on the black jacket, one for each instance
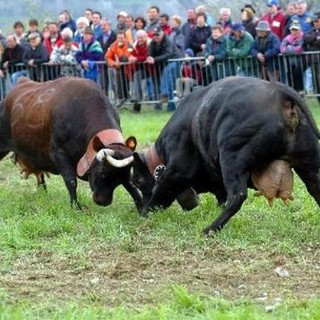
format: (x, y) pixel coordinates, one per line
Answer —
(13, 56)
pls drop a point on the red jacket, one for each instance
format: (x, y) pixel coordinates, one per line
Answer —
(277, 23)
(50, 44)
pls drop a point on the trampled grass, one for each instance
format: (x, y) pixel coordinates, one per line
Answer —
(109, 263)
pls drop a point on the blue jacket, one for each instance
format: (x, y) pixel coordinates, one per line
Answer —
(270, 49)
(216, 48)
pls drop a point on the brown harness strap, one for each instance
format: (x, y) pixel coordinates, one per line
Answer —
(152, 159)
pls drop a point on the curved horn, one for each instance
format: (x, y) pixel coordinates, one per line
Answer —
(119, 163)
(104, 153)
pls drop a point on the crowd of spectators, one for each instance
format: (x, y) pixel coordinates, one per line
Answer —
(159, 55)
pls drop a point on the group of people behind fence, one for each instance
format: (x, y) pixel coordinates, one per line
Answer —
(161, 59)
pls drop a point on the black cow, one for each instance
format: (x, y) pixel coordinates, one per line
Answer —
(220, 134)
(68, 127)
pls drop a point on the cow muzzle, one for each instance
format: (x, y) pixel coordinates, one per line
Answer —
(107, 154)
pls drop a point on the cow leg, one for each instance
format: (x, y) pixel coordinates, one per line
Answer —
(132, 190)
(69, 176)
(236, 187)
(41, 181)
(312, 181)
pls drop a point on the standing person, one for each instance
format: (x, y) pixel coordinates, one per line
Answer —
(139, 24)
(290, 12)
(117, 58)
(36, 54)
(138, 57)
(200, 34)
(18, 32)
(216, 54)
(303, 17)
(291, 47)
(201, 9)
(88, 14)
(90, 52)
(275, 18)
(107, 37)
(12, 55)
(121, 21)
(164, 23)
(165, 73)
(153, 20)
(239, 43)
(33, 27)
(65, 20)
(54, 36)
(82, 23)
(189, 25)
(176, 34)
(248, 20)
(225, 19)
(96, 26)
(265, 49)
(311, 42)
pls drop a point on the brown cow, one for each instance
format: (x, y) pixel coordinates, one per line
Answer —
(68, 127)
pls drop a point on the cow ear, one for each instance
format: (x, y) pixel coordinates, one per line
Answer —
(131, 143)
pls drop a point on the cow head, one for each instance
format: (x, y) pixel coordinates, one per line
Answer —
(107, 165)
(142, 178)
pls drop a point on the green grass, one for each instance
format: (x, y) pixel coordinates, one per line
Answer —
(109, 263)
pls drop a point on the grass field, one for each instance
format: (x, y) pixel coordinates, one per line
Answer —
(109, 263)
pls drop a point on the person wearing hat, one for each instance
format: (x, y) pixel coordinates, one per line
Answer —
(265, 49)
(90, 52)
(311, 42)
(164, 73)
(275, 18)
(36, 54)
(248, 19)
(121, 21)
(216, 52)
(292, 48)
(239, 43)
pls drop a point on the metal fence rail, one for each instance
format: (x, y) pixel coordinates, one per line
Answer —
(145, 83)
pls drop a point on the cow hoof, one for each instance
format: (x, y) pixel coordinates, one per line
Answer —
(188, 199)
(209, 232)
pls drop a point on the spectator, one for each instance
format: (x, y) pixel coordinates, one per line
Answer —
(162, 49)
(216, 52)
(19, 34)
(292, 47)
(201, 9)
(303, 17)
(164, 23)
(89, 53)
(176, 33)
(129, 22)
(117, 58)
(96, 27)
(153, 20)
(82, 23)
(265, 49)
(138, 57)
(239, 43)
(33, 26)
(189, 25)
(248, 20)
(276, 18)
(88, 14)
(139, 24)
(106, 39)
(290, 12)
(311, 42)
(36, 54)
(121, 21)
(188, 75)
(13, 54)
(65, 55)
(65, 20)
(200, 34)
(225, 19)
(54, 36)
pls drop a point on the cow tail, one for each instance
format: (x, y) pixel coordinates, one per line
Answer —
(290, 93)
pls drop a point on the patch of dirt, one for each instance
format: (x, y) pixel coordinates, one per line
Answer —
(112, 276)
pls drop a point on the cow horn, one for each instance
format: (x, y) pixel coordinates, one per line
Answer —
(104, 153)
(119, 163)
